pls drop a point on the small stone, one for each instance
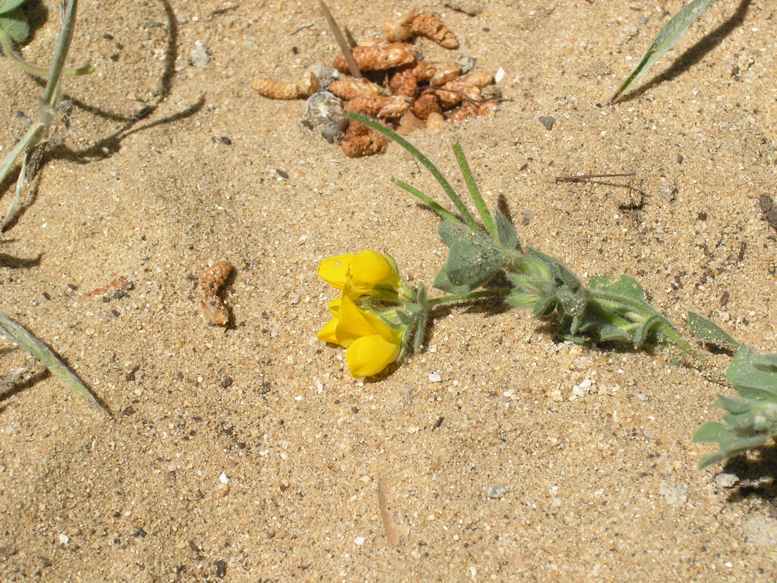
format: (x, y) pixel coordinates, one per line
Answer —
(643, 397)
(581, 389)
(724, 480)
(499, 75)
(226, 382)
(63, 539)
(466, 63)
(435, 377)
(674, 494)
(548, 121)
(200, 55)
(224, 478)
(359, 541)
(221, 568)
(761, 531)
(496, 491)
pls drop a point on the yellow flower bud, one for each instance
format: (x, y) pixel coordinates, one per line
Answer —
(364, 273)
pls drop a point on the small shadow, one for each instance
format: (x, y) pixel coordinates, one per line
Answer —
(19, 262)
(756, 477)
(110, 145)
(694, 54)
(23, 386)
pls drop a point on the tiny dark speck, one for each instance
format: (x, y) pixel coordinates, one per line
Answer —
(226, 382)
(282, 173)
(294, 50)
(486, 29)
(702, 216)
(226, 140)
(139, 532)
(221, 569)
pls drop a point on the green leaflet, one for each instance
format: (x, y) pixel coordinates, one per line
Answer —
(625, 286)
(473, 258)
(708, 332)
(9, 5)
(505, 230)
(752, 420)
(15, 25)
(666, 39)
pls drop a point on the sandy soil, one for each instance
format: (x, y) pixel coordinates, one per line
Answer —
(493, 474)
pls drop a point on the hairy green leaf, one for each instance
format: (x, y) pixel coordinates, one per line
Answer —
(15, 24)
(752, 419)
(506, 233)
(473, 258)
(625, 286)
(708, 332)
(9, 5)
(666, 39)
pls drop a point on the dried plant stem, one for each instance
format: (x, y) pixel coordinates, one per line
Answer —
(51, 94)
(345, 48)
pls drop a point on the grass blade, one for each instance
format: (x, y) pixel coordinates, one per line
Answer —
(426, 200)
(15, 332)
(666, 39)
(426, 162)
(474, 193)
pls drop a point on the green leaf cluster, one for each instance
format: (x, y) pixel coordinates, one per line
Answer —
(751, 420)
(613, 311)
(13, 20)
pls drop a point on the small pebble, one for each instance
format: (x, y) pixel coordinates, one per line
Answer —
(63, 539)
(468, 7)
(674, 494)
(200, 55)
(359, 541)
(224, 478)
(761, 531)
(435, 377)
(499, 75)
(581, 389)
(496, 491)
(724, 480)
(548, 121)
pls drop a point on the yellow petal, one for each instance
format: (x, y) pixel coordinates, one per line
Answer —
(352, 323)
(370, 269)
(369, 355)
(329, 332)
(334, 270)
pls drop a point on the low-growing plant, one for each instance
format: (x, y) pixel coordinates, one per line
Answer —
(487, 260)
(751, 420)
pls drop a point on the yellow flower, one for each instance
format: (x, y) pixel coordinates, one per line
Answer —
(364, 273)
(371, 344)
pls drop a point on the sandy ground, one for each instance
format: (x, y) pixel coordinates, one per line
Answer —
(493, 474)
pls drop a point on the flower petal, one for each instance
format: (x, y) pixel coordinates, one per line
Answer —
(369, 355)
(329, 332)
(334, 270)
(370, 269)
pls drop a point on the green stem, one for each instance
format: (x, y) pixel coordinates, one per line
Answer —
(51, 94)
(35, 70)
(475, 296)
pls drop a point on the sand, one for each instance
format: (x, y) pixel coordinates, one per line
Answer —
(249, 454)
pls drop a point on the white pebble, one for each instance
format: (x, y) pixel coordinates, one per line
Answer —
(63, 538)
(435, 377)
(359, 541)
(224, 478)
(499, 75)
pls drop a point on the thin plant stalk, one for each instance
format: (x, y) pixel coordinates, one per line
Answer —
(51, 95)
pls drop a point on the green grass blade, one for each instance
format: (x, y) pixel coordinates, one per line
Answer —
(474, 193)
(18, 334)
(666, 39)
(426, 162)
(426, 200)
